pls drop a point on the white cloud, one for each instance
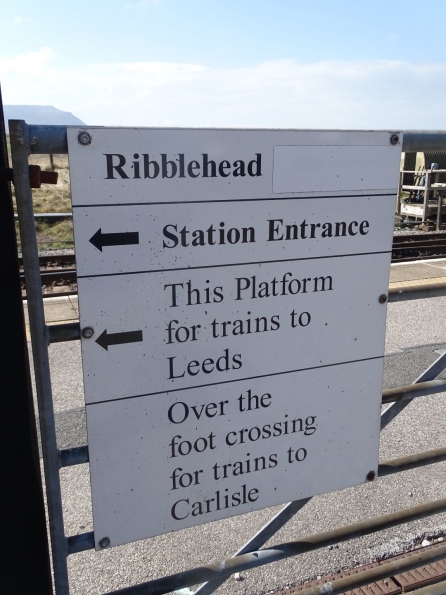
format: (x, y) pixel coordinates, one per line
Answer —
(281, 93)
(20, 20)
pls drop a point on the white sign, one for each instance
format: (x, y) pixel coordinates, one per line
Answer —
(232, 280)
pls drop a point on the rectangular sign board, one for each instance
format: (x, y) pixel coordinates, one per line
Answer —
(232, 281)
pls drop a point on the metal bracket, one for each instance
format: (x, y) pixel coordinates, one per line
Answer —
(37, 177)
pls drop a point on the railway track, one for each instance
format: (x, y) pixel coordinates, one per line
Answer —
(416, 246)
(58, 273)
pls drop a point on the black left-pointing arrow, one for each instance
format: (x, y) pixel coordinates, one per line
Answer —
(99, 240)
(107, 339)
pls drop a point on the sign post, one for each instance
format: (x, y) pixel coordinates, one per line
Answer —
(232, 288)
(26, 559)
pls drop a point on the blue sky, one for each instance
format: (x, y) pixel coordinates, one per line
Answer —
(284, 63)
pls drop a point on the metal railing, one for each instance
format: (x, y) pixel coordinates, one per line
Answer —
(26, 140)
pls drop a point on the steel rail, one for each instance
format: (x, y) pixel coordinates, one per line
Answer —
(18, 131)
(371, 575)
(229, 566)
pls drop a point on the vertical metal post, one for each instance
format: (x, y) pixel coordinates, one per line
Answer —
(398, 195)
(439, 204)
(427, 187)
(18, 131)
(25, 558)
(439, 207)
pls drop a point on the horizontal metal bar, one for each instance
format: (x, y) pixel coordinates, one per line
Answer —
(371, 575)
(70, 331)
(251, 560)
(413, 461)
(53, 139)
(424, 140)
(80, 543)
(429, 374)
(48, 139)
(410, 391)
(74, 456)
(50, 216)
(417, 292)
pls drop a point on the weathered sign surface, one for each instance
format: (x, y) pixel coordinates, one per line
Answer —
(232, 280)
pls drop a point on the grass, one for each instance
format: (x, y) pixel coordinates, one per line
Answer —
(52, 199)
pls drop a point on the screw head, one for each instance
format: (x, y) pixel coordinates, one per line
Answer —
(84, 137)
(394, 139)
(87, 332)
(105, 542)
(382, 298)
(370, 476)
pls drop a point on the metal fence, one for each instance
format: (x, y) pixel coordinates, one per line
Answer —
(26, 140)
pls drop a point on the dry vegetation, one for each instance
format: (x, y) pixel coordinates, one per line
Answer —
(52, 199)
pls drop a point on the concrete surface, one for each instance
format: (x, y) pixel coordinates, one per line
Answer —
(416, 335)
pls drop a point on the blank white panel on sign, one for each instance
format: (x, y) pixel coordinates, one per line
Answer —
(333, 168)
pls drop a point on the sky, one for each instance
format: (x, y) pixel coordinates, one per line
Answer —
(229, 63)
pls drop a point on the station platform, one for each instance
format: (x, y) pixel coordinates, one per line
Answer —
(420, 272)
(406, 274)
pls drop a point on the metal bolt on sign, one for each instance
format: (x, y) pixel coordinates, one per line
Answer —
(87, 332)
(105, 542)
(382, 298)
(394, 139)
(84, 138)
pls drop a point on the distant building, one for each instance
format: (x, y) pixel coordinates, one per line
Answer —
(39, 114)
